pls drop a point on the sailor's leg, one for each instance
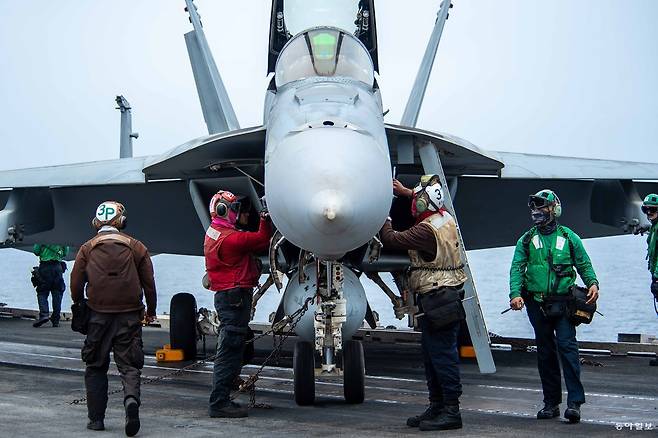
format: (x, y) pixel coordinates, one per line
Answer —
(96, 354)
(547, 360)
(42, 300)
(433, 382)
(57, 306)
(567, 347)
(233, 309)
(441, 347)
(129, 353)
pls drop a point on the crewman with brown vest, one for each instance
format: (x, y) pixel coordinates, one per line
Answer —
(437, 276)
(232, 273)
(117, 272)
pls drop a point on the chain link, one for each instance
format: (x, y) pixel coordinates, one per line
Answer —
(250, 383)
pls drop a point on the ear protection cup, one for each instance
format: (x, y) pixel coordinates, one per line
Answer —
(122, 222)
(221, 209)
(557, 210)
(421, 204)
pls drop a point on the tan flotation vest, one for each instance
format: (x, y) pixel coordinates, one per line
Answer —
(447, 268)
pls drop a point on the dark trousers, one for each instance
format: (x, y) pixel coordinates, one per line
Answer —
(441, 360)
(52, 283)
(556, 338)
(122, 334)
(233, 308)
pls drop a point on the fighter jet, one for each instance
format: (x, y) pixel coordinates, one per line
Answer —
(323, 159)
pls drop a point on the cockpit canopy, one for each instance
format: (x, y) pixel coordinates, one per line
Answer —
(289, 17)
(324, 51)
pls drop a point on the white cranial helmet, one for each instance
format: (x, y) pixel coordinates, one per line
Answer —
(428, 194)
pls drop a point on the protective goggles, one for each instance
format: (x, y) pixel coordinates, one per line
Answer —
(537, 202)
(647, 209)
(234, 206)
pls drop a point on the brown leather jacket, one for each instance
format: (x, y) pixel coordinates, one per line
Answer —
(116, 269)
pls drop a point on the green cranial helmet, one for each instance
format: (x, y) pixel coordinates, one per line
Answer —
(546, 198)
(651, 200)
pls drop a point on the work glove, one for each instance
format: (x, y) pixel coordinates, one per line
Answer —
(654, 287)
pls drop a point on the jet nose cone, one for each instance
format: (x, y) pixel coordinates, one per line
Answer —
(328, 189)
(330, 212)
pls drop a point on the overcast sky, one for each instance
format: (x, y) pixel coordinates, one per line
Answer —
(551, 77)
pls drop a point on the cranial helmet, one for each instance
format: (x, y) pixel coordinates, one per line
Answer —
(225, 205)
(650, 203)
(110, 213)
(428, 194)
(546, 198)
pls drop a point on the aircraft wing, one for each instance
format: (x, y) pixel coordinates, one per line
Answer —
(519, 165)
(166, 196)
(490, 188)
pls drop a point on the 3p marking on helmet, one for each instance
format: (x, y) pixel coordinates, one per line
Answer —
(110, 213)
(106, 211)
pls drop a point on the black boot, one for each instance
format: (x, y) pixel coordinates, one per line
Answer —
(548, 411)
(432, 411)
(572, 413)
(95, 425)
(132, 416)
(231, 410)
(41, 321)
(449, 418)
(653, 362)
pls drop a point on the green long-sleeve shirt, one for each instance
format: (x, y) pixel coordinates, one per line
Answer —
(50, 252)
(652, 250)
(533, 256)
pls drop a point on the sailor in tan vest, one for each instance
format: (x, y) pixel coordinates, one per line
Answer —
(437, 276)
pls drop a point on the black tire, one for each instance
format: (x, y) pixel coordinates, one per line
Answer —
(354, 372)
(304, 373)
(182, 324)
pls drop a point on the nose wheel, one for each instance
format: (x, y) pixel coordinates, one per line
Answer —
(354, 372)
(304, 373)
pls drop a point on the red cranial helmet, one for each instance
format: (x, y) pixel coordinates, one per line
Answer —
(225, 205)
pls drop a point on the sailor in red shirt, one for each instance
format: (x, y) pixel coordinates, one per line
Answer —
(233, 272)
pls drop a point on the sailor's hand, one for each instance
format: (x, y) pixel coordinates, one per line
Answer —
(148, 319)
(516, 303)
(593, 294)
(401, 190)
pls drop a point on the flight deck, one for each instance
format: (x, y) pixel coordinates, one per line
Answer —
(41, 373)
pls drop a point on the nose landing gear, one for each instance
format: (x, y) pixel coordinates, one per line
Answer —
(336, 357)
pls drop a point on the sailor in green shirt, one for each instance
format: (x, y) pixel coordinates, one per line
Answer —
(50, 280)
(543, 265)
(650, 208)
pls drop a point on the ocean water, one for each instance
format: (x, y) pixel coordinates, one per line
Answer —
(618, 261)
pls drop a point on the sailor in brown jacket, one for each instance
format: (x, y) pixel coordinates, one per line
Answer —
(117, 272)
(437, 276)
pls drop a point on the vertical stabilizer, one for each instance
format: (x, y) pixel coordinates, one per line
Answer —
(215, 103)
(126, 136)
(410, 116)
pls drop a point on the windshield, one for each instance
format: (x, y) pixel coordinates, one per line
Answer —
(324, 52)
(305, 14)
